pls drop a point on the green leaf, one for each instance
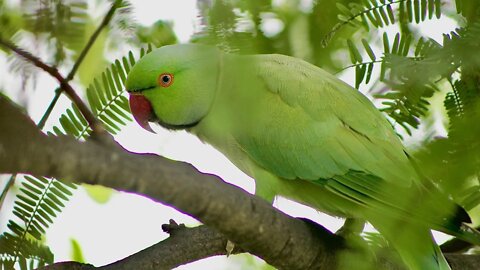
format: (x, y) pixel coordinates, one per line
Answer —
(343, 9)
(68, 126)
(108, 84)
(438, 12)
(384, 16)
(409, 5)
(43, 214)
(100, 92)
(24, 206)
(386, 44)
(390, 14)
(114, 117)
(369, 73)
(53, 198)
(419, 46)
(121, 72)
(359, 75)
(26, 200)
(52, 204)
(79, 116)
(77, 254)
(364, 21)
(396, 44)
(372, 19)
(368, 49)
(416, 10)
(355, 55)
(120, 112)
(73, 119)
(61, 187)
(423, 10)
(99, 194)
(30, 194)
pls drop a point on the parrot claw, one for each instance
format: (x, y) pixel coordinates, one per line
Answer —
(229, 248)
(351, 227)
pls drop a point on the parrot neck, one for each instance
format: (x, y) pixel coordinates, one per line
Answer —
(218, 126)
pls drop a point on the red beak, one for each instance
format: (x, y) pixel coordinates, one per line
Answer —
(142, 110)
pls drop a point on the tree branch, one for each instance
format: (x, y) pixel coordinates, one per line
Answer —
(106, 20)
(184, 245)
(187, 245)
(94, 124)
(248, 221)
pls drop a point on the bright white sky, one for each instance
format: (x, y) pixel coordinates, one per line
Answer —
(129, 223)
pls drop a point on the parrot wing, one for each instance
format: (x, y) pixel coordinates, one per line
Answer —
(307, 124)
(314, 126)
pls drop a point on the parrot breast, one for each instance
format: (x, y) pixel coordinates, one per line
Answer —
(142, 110)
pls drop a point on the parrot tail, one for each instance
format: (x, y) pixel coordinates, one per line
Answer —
(459, 227)
(415, 245)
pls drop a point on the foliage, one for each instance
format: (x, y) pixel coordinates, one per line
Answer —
(61, 22)
(28, 254)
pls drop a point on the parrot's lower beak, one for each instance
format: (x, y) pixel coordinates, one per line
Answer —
(142, 110)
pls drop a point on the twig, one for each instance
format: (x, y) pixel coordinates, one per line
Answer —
(46, 115)
(106, 20)
(94, 124)
(9, 184)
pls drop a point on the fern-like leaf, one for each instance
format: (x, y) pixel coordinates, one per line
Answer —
(363, 70)
(380, 13)
(409, 69)
(36, 206)
(29, 254)
(106, 98)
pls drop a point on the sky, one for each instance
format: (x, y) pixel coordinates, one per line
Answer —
(128, 222)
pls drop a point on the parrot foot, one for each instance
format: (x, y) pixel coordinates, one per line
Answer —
(229, 248)
(351, 227)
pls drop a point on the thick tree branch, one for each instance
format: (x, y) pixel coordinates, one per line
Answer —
(251, 223)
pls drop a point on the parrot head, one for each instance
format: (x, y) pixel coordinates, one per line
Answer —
(174, 85)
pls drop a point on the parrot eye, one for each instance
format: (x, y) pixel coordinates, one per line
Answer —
(165, 79)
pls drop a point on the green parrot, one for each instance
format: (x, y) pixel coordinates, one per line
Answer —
(302, 134)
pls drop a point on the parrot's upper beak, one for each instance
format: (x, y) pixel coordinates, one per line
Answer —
(142, 110)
